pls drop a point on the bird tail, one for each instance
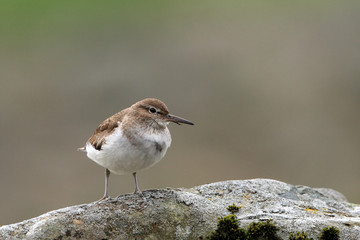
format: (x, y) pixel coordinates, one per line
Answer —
(82, 149)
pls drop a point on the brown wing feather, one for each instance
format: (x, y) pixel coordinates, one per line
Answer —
(105, 128)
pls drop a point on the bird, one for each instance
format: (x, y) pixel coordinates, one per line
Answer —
(133, 139)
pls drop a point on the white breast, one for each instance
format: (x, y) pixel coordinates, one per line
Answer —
(120, 156)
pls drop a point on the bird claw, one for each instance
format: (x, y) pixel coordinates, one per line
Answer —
(103, 198)
(138, 192)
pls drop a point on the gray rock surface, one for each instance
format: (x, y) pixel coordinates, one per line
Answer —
(192, 213)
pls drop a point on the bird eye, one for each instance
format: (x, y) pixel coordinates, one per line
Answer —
(152, 110)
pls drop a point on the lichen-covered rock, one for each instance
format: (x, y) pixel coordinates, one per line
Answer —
(193, 213)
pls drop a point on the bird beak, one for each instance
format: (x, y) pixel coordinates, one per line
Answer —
(177, 120)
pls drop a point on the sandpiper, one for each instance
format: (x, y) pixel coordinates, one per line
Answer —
(133, 139)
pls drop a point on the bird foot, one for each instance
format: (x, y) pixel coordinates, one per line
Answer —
(103, 198)
(138, 192)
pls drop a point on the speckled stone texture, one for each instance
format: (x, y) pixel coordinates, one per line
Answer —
(192, 213)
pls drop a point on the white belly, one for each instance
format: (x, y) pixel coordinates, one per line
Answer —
(120, 156)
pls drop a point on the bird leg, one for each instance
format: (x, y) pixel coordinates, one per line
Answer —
(137, 190)
(107, 174)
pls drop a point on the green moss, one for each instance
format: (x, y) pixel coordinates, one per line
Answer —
(233, 208)
(299, 236)
(331, 233)
(228, 229)
(262, 230)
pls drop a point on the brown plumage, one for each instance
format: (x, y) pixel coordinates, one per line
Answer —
(132, 139)
(105, 128)
(136, 112)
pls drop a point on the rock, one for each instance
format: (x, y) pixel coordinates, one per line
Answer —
(333, 194)
(193, 213)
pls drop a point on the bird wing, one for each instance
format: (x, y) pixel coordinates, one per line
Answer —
(107, 127)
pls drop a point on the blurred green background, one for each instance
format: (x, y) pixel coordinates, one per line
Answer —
(273, 87)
